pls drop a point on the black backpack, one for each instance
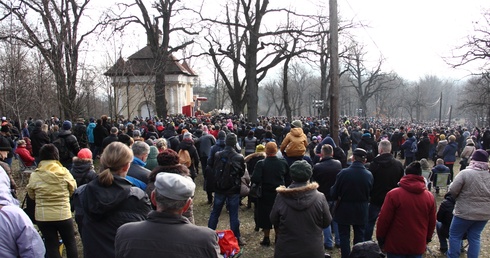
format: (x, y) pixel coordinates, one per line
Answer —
(65, 153)
(226, 174)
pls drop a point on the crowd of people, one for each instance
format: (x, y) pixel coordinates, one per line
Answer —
(313, 189)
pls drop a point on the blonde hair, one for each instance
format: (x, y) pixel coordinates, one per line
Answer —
(21, 142)
(161, 143)
(452, 138)
(115, 156)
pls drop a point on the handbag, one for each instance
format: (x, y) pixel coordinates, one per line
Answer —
(244, 184)
(255, 190)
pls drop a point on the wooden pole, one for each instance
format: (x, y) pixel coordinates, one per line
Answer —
(334, 72)
(440, 109)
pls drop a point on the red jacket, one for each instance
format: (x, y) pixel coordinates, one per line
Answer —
(407, 218)
(25, 155)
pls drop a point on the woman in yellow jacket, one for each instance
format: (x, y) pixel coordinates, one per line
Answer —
(51, 186)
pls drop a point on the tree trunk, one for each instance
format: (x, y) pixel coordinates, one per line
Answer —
(160, 98)
(285, 92)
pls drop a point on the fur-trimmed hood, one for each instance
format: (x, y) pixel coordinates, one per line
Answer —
(253, 155)
(299, 196)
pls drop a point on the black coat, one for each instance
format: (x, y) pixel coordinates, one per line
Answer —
(189, 146)
(423, 147)
(445, 214)
(271, 173)
(108, 140)
(71, 143)
(38, 139)
(387, 172)
(351, 190)
(99, 134)
(325, 173)
(82, 171)
(370, 146)
(106, 209)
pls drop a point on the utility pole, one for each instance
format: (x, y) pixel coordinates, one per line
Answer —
(334, 72)
(440, 109)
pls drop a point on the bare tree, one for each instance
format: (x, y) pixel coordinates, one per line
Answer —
(366, 81)
(53, 28)
(159, 31)
(252, 48)
(477, 46)
(476, 95)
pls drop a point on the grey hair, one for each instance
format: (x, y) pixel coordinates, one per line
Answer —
(385, 145)
(167, 204)
(136, 133)
(139, 148)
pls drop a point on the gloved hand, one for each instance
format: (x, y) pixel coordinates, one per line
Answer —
(381, 243)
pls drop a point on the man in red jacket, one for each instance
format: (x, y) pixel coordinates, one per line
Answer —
(407, 219)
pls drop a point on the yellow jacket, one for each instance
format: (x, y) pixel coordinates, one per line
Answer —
(294, 143)
(51, 186)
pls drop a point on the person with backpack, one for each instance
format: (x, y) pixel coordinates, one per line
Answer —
(228, 167)
(67, 145)
(369, 145)
(449, 156)
(80, 131)
(188, 154)
(208, 173)
(410, 147)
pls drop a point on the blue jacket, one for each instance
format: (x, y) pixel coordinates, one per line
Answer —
(449, 153)
(407, 145)
(352, 190)
(90, 132)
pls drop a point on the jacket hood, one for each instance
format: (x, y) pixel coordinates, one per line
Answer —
(65, 132)
(384, 160)
(101, 200)
(413, 183)
(298, 196)
(91, 125)
(6, 197)
(81, 165)
(153, 152)
(296, 132)
(51, 172)
(328, 140)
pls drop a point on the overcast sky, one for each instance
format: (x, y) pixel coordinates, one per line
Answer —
(413, 36)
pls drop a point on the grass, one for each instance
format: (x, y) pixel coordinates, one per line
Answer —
(247, 225)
